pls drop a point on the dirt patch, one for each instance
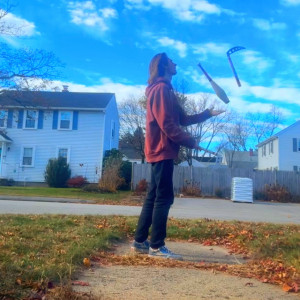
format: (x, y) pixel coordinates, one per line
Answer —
(154, 282)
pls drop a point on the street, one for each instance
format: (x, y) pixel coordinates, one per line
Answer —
(186, 208)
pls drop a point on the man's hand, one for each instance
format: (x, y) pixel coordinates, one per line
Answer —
(216, 112)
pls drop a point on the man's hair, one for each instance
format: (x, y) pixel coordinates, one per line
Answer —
(157, 66)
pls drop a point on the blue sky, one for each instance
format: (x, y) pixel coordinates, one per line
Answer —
(107, 45)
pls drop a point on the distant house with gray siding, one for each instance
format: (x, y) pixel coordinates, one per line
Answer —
(37, 126)
(240, 159)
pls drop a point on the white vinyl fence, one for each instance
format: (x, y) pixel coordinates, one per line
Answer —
(212, 180)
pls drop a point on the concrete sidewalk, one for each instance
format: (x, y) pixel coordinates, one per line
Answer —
(150, 282)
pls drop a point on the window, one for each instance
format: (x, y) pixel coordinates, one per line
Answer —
(27, 157)
(295, 168)
(64, 152)
(264, 150)
(113, 129)
(271, 147)
(3, 118)
(30, 120)
(65, 120)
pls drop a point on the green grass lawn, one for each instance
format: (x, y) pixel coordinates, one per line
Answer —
(38, 249)
(75, 193)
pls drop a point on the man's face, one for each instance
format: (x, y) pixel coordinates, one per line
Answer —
(171, 67)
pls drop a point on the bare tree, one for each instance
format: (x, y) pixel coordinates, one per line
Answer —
(24, 69)
(205, 133)
(132, 121)
(237, 133)
(264, 125)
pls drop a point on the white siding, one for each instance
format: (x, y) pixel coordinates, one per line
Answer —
(85, 144)
(288, 158)
(270, 160)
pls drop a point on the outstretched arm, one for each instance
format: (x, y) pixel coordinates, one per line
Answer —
(186, 120)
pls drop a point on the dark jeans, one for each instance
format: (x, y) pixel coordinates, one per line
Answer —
(157, 204)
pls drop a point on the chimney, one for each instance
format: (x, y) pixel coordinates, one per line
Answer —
(65, 88)
(251, 152)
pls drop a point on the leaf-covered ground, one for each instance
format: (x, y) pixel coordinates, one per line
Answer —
(40, 252)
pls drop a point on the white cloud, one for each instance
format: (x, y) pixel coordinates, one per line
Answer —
(290, 2)
(211, 49)
(250, 98)
(286, 95)
(22, 26)
(178, 45)
(86, 13)
(254, 58)
(292, 58)
(186, 10)
(266, 25)
(136, 4)
(108, 13)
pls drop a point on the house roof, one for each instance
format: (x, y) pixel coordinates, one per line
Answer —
(207, 159)
(4, 137)
(40, 99)
(241, 156)
(275, 136)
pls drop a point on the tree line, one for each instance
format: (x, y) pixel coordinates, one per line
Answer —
(229, 131)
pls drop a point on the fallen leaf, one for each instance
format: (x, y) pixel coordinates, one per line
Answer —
(287, 288)
(81, 283)
(87, 262)
(296, 287)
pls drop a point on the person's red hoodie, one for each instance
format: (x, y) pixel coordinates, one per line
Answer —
(163, 120)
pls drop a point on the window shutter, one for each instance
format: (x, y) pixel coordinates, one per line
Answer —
(41, 119)
(55, 119)
(9, 118)
(20, 118)
(294, 145)
(75, 120)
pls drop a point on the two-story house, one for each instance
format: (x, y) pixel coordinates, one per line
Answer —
(281, 151)
(37, 126)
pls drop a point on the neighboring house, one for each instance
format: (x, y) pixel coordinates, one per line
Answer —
(130, 152)
(203, 162)
(37, 126)
(281, 151)
(240, 159)
(131, 155)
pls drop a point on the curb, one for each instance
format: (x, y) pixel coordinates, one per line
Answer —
(46, 199)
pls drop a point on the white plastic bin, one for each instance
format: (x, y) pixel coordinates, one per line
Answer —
(242, 189)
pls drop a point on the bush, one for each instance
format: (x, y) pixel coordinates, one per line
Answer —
(125, 172)
(191, 189)
(141, 187)
(277, 193)
(76, 182)
(219, 193)
(6, 182)
(91, 187)
(110, 180)
(57, 172)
